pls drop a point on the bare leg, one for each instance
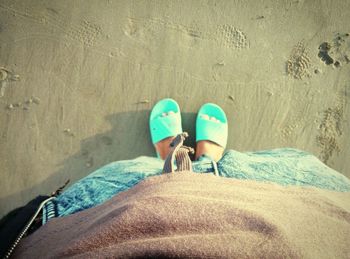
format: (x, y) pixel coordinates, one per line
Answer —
(209, 148)
(163, 147)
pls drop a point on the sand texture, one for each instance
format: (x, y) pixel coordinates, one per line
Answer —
(78, 80)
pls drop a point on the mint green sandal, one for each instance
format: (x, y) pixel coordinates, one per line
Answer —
(165, 126)
(212, 130)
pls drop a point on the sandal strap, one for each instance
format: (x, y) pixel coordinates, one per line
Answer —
(163, 127)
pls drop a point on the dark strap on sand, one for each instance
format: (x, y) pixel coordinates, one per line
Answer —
(178, 154)
(22, 222)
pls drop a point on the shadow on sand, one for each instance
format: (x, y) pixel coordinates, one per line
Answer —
(128, 138)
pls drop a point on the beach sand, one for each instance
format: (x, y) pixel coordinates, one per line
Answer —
(78, 80)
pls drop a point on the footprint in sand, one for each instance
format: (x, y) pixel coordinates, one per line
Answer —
(330, 129)
(324, 48)
(231, 37)
(299, 62)
(337, 52)
(6, 76)
(225, 35)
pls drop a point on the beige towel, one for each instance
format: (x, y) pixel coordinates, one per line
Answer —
(200, 215)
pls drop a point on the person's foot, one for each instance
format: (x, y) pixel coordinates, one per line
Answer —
(207, 147)
(211, 149)
(163, 147)
(165, 124)
(211, 131)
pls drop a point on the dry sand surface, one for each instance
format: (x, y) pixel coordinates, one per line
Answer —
(78, 79)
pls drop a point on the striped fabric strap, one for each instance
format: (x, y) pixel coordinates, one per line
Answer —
(49, 211)
(178, 154)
